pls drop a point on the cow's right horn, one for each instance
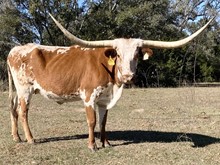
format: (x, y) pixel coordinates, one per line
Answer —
(174, 44)
(76, 40)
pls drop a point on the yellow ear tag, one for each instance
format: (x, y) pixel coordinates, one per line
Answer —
(111, 62)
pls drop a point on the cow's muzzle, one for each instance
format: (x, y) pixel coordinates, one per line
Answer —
(127, 79)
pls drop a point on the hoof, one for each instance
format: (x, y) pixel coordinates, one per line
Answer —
(17, 140)
(93, 148)
(106, 144)
(32, 141)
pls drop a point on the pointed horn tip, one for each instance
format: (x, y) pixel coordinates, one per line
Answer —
(211, 20)
(52, 17)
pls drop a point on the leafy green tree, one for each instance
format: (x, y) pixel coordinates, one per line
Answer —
(10, 29)
(127, 18)
(36, 18)
(197, 64)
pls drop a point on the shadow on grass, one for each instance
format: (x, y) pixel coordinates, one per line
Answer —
(140, 136)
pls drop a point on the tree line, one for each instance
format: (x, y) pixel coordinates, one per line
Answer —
(25, 21)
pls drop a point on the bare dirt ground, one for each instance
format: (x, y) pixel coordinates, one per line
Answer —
(155, 126)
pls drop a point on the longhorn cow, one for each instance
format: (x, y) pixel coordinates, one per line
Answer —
(94, 71)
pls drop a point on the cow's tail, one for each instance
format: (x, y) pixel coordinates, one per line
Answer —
(13, 99)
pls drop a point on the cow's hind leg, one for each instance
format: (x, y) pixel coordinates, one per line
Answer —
(103, 112)
(14, 119)
(23, 105)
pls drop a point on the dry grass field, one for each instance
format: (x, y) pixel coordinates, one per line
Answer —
(155, 126)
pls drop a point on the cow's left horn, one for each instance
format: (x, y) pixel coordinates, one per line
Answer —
(174, 44)
(76, 40)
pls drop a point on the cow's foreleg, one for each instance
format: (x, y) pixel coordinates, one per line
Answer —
(103, 112)
(23, 114)
(14, 119)
(91, 120)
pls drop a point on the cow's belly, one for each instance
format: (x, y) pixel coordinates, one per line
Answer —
(51, 95)
(61, 98)
(104, 96)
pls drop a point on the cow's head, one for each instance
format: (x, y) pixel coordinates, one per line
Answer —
(125, 56)
(128, 52)
(128, 49)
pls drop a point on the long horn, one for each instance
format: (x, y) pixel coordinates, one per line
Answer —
(174, 44)
(76, 40)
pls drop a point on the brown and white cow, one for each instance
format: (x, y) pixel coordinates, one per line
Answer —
(94, 72)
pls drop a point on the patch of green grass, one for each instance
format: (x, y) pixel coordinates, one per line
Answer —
(147, 126)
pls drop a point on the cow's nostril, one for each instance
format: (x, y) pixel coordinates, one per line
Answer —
(127, 77)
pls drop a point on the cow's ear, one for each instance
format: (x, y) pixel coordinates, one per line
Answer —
(147, 52)
(110, 52)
